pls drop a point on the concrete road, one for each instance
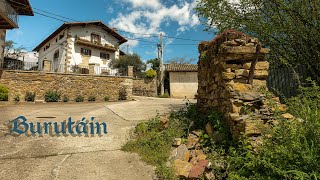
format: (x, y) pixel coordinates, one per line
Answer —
(68, 157)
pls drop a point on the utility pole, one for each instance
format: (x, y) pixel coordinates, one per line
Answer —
(127, 48)
(161, 66)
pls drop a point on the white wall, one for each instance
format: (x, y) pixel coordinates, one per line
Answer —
(85, 33)
(54, 46)
(183, 84)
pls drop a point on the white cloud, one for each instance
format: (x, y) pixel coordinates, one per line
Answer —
(147, 16)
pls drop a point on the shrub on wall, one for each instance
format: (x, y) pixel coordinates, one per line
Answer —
(3, 93)
(30, 96)
(92, 98)
(16, 98)
(52, 96)
(65, 99)
(79, 98)
(151, 73)
(123, 93)
(106, 98)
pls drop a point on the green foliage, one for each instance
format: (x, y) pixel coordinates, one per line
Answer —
(16, 98)
(155, 64)
(123, 94)
(65, 99)
(151, 73)
(3, 93)
(292, 151)
(79, 98)
(289, 28)
(52, 96)
(129, 60)
(106, 98)
(165, 95)
(30, 96)
(153, 144)
(91, 98)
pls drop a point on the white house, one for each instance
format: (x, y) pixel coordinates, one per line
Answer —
(77, 45)
(9, 11)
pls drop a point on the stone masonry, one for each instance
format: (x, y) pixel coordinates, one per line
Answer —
(144, 87)
(70, 85)
(2, 43)
(224, 67)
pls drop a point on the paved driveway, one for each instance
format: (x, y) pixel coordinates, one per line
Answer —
(78, 157)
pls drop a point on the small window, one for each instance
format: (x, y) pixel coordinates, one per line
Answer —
(56, 55)
(61, 36)
(57, 40)
(85, 52)
(95, 38)
(104, 55)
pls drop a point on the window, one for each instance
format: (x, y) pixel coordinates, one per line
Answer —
(61, 36)
(104, 55)
(96, 39)
(56, 55)
(86, 52)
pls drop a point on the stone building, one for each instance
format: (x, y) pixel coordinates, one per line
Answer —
(183, 80)
(9, 11)
(80, 44)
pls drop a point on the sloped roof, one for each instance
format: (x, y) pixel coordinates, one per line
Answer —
(70, 24)
(181, 67)
(22, 7)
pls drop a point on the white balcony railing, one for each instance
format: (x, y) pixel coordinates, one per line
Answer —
(7, 10)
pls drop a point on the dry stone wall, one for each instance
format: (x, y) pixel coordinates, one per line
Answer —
(224, 67)
(144, 87)
(69, 85)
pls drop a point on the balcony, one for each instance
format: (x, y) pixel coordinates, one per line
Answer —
(85, 42)
(8, 16)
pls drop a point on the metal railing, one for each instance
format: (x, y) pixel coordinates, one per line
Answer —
(9, 11)
(19, 65)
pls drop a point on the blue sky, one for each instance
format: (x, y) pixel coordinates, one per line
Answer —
(174, 18)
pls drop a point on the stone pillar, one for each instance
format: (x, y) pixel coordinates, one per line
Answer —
(46, 65)
(92, 68)
(130, 71)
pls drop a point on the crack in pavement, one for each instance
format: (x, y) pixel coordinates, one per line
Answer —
(62, 154)
(56, 169)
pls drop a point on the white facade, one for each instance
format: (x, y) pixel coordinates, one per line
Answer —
(69, 48)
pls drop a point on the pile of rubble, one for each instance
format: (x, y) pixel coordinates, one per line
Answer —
(188, 159)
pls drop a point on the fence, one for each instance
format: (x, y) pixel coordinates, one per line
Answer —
(62, 68)
(284, 82)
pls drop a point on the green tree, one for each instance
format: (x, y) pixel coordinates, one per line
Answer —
(10, 51)
(129, 60)
(289, 28)
(155, 63)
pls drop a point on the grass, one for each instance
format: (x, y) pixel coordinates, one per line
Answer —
(153, 143)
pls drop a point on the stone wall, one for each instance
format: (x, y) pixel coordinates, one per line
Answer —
(144, 87)
(70, 85)
(224, 66)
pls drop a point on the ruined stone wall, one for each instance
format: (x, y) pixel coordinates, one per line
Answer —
(69, 85)
(224, 66)
(144, 87)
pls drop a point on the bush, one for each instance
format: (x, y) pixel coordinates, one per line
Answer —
(30, 96)
(123, 94)
(3, 93)
(16, 98)
(65, 99)
(151, 73)
(79, 98)
(106, 98)
(165, 95)
(292, 151)
(92, 98)
(52, 96)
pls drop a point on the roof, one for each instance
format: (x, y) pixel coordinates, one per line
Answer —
(181, 67)
(22, 7)
(70, 24)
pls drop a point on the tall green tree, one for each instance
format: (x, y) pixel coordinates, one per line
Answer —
(129, 60)
(291, 28)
